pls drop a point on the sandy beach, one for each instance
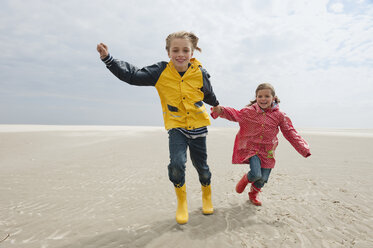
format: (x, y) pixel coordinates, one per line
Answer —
(108, 187)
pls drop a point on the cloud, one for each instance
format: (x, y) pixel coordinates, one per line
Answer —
(316, 53)
(337, 7)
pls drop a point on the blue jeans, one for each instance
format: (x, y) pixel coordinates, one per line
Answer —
(178, 144)
(258, 175)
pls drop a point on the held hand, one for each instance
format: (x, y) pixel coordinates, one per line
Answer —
(103, 50)
(216, 111)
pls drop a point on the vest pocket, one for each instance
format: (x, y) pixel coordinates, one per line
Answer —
(172, 108)
(198, 104)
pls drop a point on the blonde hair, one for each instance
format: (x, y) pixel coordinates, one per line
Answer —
(265, 86)
(183, 35)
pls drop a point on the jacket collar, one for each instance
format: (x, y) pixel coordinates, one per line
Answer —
(194, 63)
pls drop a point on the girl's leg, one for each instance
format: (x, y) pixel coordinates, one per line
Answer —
(241, 185)
(257, 185)
(255, 172)
(258, 176)
(264, 179)
(250, 177)
(177, 147)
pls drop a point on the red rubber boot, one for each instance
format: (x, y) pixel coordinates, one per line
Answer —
(253, 194)
(241, 185)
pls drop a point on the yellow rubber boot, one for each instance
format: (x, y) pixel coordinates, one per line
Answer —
(182, 206)
(207, 207)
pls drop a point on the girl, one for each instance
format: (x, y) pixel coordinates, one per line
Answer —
(183, 85)
(256, 140)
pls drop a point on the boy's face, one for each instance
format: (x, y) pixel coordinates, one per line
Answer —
(264, 98)
(180, 53)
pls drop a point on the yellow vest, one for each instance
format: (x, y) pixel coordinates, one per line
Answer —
(181, 97)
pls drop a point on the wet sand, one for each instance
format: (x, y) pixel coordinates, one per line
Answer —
(107, 187)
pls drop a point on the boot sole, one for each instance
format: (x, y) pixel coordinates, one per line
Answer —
(208, 212)
(255, 203)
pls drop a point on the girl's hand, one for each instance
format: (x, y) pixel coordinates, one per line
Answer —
(103, 50)
(217, 109)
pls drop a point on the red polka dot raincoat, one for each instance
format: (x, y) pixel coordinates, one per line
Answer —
(258, 134)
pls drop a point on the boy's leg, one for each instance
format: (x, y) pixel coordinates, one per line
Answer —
(177, 146)
(198, 155)
(176, 172)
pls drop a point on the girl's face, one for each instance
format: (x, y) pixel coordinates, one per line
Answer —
(180, 53)
(264, 98)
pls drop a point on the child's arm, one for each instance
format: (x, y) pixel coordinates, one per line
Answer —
(293, 137)
(209, 95)
(226, 113)
(129, 73)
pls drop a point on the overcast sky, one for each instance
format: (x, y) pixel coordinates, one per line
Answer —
(318, 55)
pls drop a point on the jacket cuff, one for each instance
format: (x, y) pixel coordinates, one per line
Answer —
(214, 115)
(108, 59)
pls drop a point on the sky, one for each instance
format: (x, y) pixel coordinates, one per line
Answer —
(317, 54)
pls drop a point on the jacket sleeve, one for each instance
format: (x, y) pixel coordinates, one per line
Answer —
(293, 137)
(209, 95)
(231, 114)
(146, 76)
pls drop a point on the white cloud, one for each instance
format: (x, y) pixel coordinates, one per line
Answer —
(337, 7)
(310, 51)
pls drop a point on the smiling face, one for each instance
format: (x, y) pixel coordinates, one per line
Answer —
(180, 53)
(264, 98)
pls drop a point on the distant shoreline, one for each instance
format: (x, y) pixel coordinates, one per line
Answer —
(10, 128)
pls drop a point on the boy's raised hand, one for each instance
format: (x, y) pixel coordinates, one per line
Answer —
(103, 50)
